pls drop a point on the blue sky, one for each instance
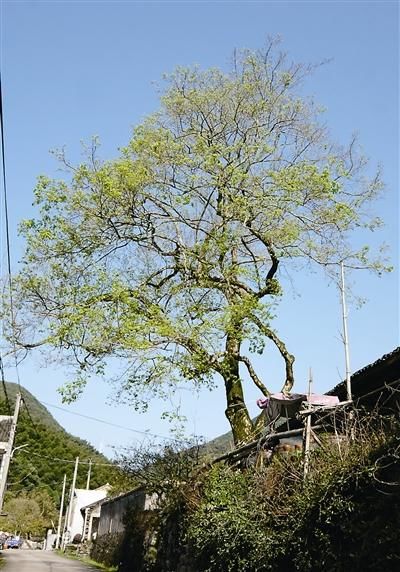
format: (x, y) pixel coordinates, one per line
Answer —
(71, 70)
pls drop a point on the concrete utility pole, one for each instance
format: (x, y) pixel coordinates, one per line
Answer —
(5, 463)
(66, 519)
(71, 500)
(61, 514)
(89, 475)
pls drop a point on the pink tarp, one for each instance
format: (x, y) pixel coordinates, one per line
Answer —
(281, 405)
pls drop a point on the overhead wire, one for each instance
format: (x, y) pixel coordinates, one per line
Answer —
(3, 383)
(140, 432)
(6, 219)
(12, 308)
(8, 251)
(34, 426)
(70, 461)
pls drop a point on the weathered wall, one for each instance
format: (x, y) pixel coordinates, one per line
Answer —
(113, 511)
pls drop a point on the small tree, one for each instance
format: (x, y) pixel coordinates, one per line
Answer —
(167, 257)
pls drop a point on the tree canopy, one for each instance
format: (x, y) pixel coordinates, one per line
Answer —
(167, 258)
(29, 514)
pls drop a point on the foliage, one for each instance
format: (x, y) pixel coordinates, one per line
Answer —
(152, 538)
(343, 516)
(91, 563)
(106, 549)
(169, 473)
(162, 469)
(29, 514)
(234, 537)
(167, 257)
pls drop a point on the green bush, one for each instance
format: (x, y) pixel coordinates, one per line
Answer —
(345, 516)
(106, 549)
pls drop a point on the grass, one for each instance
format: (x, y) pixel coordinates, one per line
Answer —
(88, 561)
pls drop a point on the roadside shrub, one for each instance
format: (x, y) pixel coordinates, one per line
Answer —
(227, 532)
(345, 516)
(106, 549)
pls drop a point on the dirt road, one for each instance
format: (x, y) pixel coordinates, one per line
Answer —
(40, 561)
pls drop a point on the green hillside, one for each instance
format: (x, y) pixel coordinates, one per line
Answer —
(50, 452)
(220, 445)
(38, 412)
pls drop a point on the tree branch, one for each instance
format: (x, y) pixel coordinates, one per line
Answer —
(288, 357)
(257, 381)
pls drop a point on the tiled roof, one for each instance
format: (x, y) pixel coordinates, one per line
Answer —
(384, 370)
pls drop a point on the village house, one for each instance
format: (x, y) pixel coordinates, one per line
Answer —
(113, 510)
(84, 498)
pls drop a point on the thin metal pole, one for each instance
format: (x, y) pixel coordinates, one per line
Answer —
(61, 513)
(345, 334)
(5, 465)
(307, 430)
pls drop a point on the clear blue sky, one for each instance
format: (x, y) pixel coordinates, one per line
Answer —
(74, 69)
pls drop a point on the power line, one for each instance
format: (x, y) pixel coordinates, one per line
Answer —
(7, 225)
(70, 461)
(12, 312)
(7, 231)
(29, 415)
(3, 160)
(146, 433)
(3, 382)
(8, 250)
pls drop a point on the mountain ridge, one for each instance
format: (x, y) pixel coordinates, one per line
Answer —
(45, 451)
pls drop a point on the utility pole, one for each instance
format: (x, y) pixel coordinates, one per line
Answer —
(71, 500)
(61, 513)
(5, 463)
(66, 519)
(89, 475)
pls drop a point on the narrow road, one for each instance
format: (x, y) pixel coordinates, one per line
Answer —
(40, 561)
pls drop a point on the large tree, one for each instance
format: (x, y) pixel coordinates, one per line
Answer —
(169, 256)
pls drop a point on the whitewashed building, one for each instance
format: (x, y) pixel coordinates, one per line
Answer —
(82, 498)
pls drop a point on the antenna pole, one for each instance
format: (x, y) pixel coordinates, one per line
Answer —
(307, 430)
(345, 333)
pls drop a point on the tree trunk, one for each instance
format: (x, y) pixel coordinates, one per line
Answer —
(236, 411)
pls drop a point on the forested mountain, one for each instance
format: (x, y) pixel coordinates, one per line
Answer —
(50, 451)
